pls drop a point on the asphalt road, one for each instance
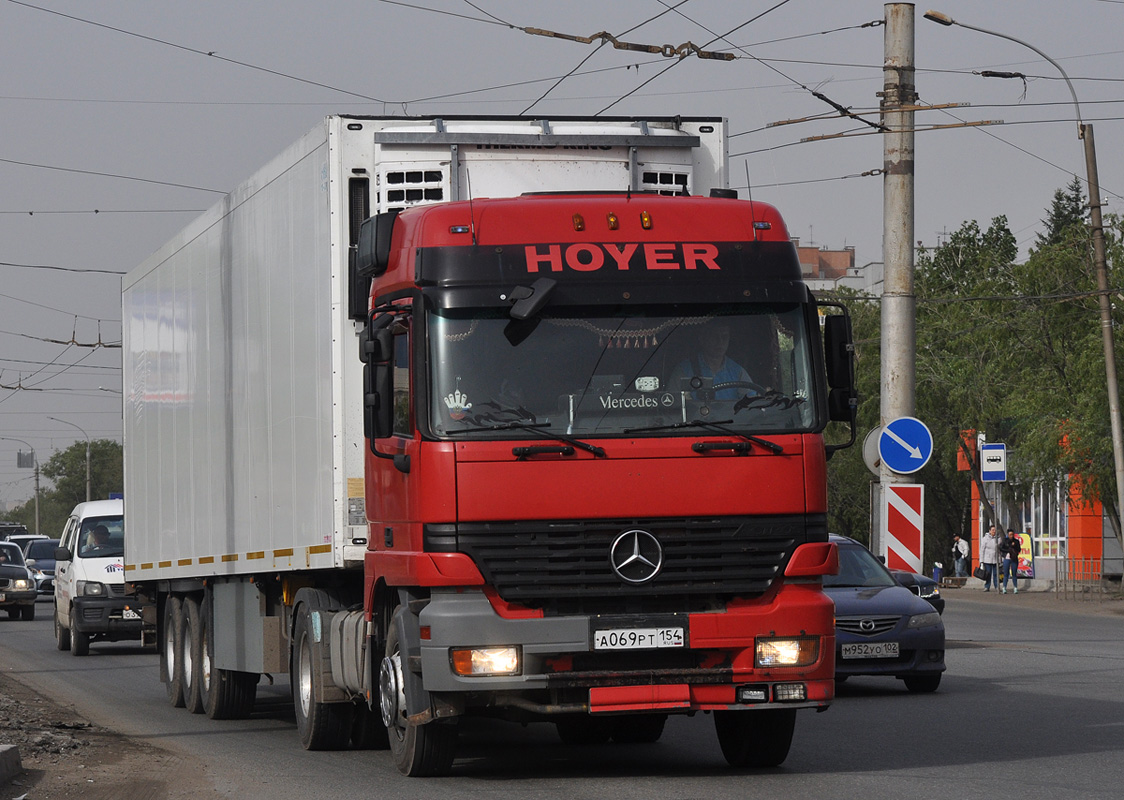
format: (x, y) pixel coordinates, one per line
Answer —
(1032, 706)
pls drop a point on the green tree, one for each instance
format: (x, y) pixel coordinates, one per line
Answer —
(1065, 213)
(66, 471)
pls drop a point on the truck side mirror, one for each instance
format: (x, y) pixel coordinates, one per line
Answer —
(378, 386)
(373, 249)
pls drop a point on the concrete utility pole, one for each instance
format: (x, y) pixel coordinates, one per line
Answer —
(899, 331)
(1100, 262)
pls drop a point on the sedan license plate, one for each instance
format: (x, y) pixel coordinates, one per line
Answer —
(871, 650)
(638, 638)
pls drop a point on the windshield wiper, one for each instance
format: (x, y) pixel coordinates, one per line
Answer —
(718, 425)
(536, 427)
(767, 400)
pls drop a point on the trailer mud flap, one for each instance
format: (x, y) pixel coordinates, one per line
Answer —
(639, 698)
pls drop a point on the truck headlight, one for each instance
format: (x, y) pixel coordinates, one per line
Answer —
(91, 589)
(924, 620)
(797, 651)
(481, 661)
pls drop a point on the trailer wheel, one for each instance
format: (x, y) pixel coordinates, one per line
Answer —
(420, 751)
(62, 635)
(639, 728)
(755, 738)
(226, 694)
(192, 658)
(172, 649)
(322, 726)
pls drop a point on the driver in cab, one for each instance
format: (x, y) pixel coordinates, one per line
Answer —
(710, 361)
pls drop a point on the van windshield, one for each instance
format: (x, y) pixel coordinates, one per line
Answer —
(621, 371)
(102, 537)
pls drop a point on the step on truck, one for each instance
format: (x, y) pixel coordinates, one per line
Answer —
(511, 417)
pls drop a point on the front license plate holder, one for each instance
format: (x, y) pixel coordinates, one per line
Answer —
(871, 650)
(653, 638)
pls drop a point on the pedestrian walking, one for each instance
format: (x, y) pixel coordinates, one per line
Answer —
(959, 556)
(1011, 546)
(989, 558)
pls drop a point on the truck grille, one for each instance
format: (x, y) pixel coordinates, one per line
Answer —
(563, 567)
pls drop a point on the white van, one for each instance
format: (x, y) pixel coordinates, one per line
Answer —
(91, 602)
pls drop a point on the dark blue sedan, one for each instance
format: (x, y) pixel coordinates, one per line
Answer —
(882, 628)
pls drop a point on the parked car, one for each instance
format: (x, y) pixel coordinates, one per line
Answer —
(882, 628)
(39, 555)
(17, 586)
(922, 586)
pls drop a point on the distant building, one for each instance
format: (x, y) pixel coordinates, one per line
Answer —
(825, 269)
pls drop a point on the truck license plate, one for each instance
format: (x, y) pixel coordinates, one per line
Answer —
(637, 638)
(871, 650)
(128, 613)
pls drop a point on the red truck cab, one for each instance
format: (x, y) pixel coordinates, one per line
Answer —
(596, 477)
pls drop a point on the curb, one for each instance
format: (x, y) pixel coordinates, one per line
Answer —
(10, 765)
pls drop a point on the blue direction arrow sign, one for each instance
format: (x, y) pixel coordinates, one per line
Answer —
(905, 445)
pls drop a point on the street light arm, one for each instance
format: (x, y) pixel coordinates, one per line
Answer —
(945, 19)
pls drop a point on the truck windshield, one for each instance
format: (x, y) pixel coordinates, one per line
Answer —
(624, 371)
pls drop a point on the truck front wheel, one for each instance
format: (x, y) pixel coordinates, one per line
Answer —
(322, 726)
(420, 751)
(755, 738)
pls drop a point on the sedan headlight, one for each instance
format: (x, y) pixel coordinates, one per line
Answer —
(91, 589)
(924, 620)
(22, 584)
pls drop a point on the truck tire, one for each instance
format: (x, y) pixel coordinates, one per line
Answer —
(79, 642)
(172, 650)
(226, 694)
(639, 728)
(27, 613)
(62, 635)
(322, 726)
(755, 738)
(192, 658)
(13, 612)
(420, 751)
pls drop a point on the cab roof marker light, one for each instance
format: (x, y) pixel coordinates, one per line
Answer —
(762, 226)
(459, 228)
(614, 221)
(645, 220)
(579, 222)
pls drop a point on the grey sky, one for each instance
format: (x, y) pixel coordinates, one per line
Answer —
(147, 101)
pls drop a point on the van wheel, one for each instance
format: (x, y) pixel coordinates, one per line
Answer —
(755, 738)
(62, 635)
(192, 658)
(79, 642)
(171, 650)
(226, 694)
(322, 726)
(420, 751)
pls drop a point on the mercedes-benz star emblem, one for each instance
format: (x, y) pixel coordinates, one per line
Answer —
(636, 556)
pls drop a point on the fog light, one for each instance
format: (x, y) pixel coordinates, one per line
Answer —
(790, 692)
(753, 694)
(799, 651)
(486, 661)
